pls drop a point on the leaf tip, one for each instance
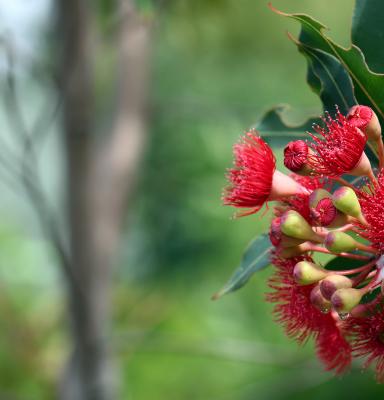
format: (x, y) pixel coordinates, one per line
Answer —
(217, 295)
(275, 10)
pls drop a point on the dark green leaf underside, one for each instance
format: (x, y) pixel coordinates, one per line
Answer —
(255, 258)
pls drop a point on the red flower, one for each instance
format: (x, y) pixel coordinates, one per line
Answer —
(369, 340)
(301, 319)
(293, 309)
(372, 205)
(337, 148)
(251, 178)
(332, 348)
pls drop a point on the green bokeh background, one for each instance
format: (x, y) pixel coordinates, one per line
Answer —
(217, 66)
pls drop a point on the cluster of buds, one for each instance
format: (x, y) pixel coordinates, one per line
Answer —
(317, 210)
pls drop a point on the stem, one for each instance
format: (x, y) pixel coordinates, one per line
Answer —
(380, 148)
(356, 270)
(342, 182)
(373, 283)
(345, 228)
(372, 178)
(320, 249)
(360, 278)
(368, 249)
(372, 147)
(360, 233)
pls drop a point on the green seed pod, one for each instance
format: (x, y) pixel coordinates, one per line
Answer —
(331, 283)
(319, 301)
(340, 242)
(306, 273)
(346, 201)
(344, 300)
(294, 225)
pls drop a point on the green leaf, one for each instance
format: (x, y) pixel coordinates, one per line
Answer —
(368, 85)
(340, 263)
(277, 132)
(328, 78)
(368, 33)
(255, 258)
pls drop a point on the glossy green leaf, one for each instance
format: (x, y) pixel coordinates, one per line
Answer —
(368, 85)
(368, 32)
(255, 258)
(278, 132)
(341, 263)
(329, 79)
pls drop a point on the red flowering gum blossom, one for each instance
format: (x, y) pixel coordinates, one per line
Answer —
(293, 307)
(296, 156)
(368, 340)
(254, 179)
(339, 148)
(333, 350)
(372, 205)
(301, 320)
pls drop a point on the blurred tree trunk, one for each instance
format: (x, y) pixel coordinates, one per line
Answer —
(100, 178)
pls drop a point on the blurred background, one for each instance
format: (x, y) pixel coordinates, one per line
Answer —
(214, 67)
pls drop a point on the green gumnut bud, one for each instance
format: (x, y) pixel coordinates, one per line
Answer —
(316, 196)
(331, 283)
(294, 225)
(340, 242)
(306, 273)
(346, 201)
(293, 251)
(344, 300)
(319, 301)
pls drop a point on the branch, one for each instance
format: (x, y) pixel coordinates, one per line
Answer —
(29, 174)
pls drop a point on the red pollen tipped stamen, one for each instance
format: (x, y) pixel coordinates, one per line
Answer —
(338, 147)
(251, 177)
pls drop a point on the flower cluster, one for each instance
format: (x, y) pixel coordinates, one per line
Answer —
(317, 210)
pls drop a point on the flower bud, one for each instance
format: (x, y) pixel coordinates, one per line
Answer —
(294, 225)
(340, 242)
(364, 118)
(344, 300)
(306, 273)
(293, 251)
(319, 301)
(331, 283)
(278, 238)
(346, 201)
(296, 157)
